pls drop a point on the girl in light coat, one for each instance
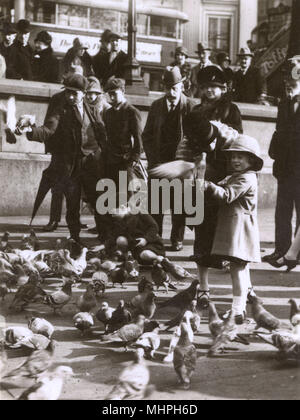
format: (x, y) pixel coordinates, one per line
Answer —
(237, 235)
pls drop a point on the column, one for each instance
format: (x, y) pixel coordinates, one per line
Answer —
(248, 20)
(19, 10)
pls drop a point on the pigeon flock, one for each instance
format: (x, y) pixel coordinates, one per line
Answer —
(137, 322)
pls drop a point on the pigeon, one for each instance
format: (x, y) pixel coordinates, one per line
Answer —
(30, 292)
(100, 281)
(80, 263)
(83, 321)
(145, 285)
(129, 333)
(183, 299)
(87, 302)
(295, 312)
(161, 278)
(41, 326)
(4, 245)
(104, 315)
(176, 271)
(49, 386)
(119, 275)
(38, 362)
(150, 342)
(173, 170)
(132, 266)
(227, 335)
(34, 241)
(133, 381)
(61, 297)
(287, 342)
(195, 320)
(263, 318)
(185, 356)
(21, 277)
(215, 323)
(13, 335)
(147, 307)
(120, 317)
(35, 342)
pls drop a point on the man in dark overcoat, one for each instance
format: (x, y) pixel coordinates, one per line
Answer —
(78, 142)
(19, 64)
(8, 37)
(248, 84)
(162, 134)
(45, 65)
(285, 150)
(112, 62)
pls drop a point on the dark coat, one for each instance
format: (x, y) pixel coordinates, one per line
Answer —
(85, 62)
(285, 144)
(19, 65)
(64, 130)
(249, 87)
(152, 135)
(45, 67)
(237, 233)
(124, 134)
(104, 70)
(4, 51)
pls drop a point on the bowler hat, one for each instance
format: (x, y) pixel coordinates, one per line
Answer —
(44, 37)
(105, 35)
(203, 47)
(76, 82)
(114, 84)
(78, 44)
(249, 145)
(114, 35)
(23, 26)
(212, 76)
(245, 52)
(172, 76)
(181, 50)
(94, 85)
(223, 56)
(8, 29)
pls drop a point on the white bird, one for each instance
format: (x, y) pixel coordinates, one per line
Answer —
(41, 326)
(49, 386)
(83, 321)
(13, 335)
(133, 380)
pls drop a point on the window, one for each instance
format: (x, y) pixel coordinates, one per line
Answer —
(165, 27)
(103, 19)
(219, 33)
(142, 24)
(70, 15)
(40, 11)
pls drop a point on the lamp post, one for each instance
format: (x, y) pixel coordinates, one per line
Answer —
(134, 82)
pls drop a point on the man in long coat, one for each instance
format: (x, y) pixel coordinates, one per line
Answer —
(19, 62)
(112, 62)
(77, 145)
(162, 134)
(285, 150)
(248, 84)
(204, 52)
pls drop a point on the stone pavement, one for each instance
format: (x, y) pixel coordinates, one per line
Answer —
(242, 373)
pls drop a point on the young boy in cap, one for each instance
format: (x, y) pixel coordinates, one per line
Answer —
(162, 134)
(123, 125)
(96, 98)
(19, 64)
(248, 85)
(45, 66)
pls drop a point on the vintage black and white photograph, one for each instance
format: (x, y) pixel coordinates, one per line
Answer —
(150, 202)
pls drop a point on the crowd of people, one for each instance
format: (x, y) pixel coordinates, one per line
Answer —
(20, 60)
(90, 138)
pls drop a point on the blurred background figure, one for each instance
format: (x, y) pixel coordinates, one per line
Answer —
(105, 48)
(96, 98)
(78, 55)
(19, 62)
(204, 53)
(181, 55)
(9, 34)
(223, 62)
(45, 66)
(249, 86)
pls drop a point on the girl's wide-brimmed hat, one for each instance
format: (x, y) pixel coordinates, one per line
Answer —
(249, 145)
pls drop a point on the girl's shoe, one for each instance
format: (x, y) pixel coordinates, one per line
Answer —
(203, 298)
(290, 264)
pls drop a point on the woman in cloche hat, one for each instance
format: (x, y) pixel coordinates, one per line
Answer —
(236, 236)
(78, 54)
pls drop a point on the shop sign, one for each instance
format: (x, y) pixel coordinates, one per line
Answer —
(146, 52)
(274, 56)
